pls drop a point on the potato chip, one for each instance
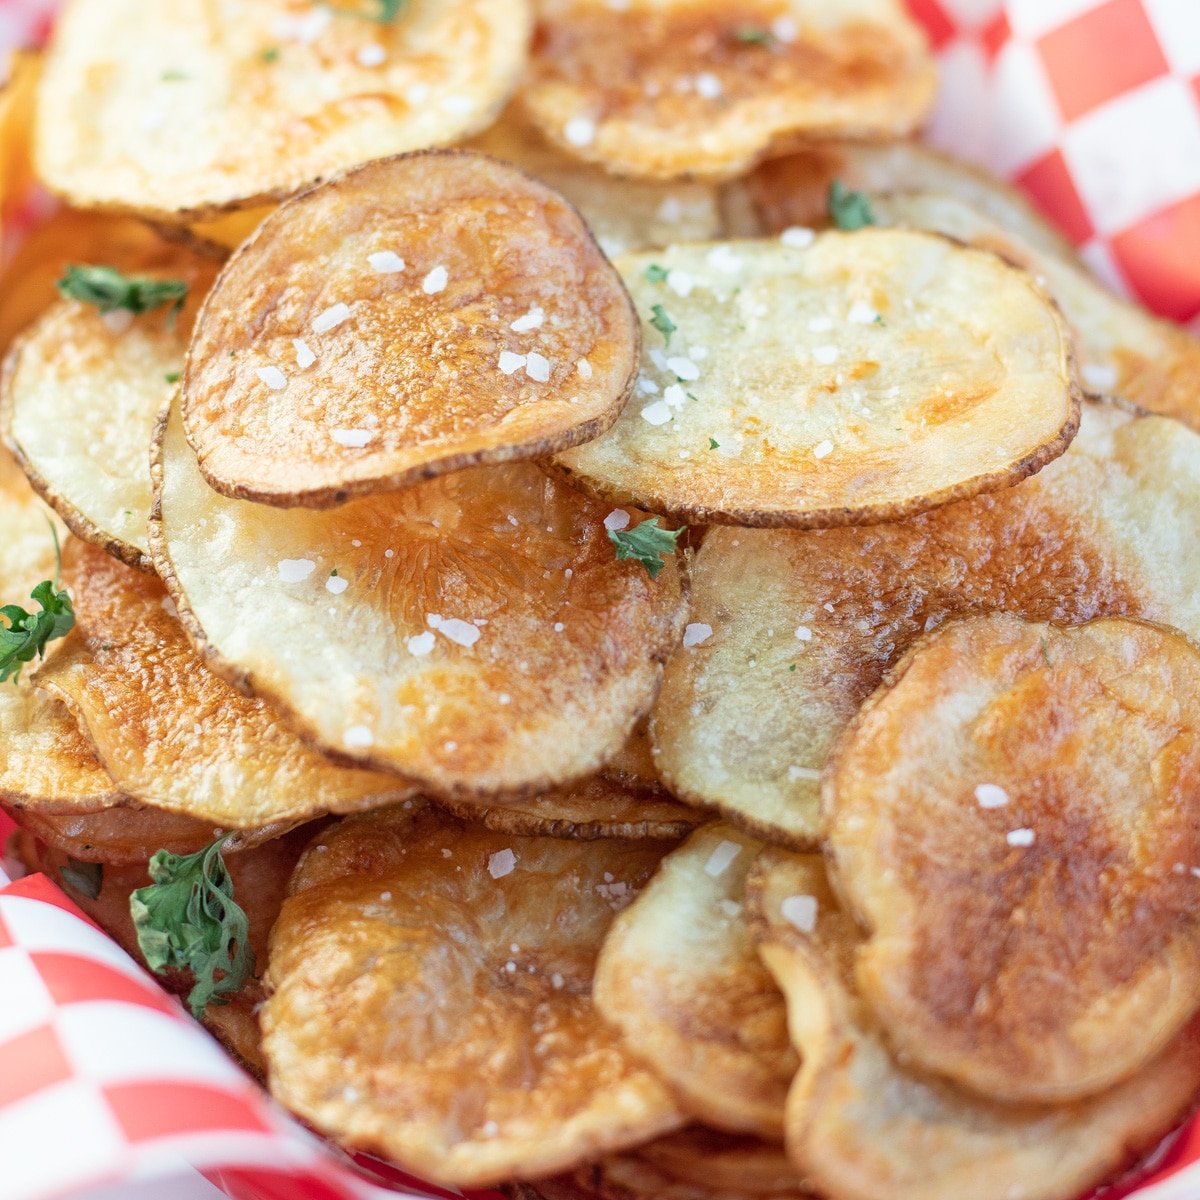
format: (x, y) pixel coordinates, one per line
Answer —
(666, 89)
(1013, 817)
(170, 732)
(679, 976)
(624, 214)
(475, 633)
(432, 998)
(206, 108)
(596, 808)
(859, 378)
(216, 238)
(793, 191)
(80, 394)
(1123, 350)
(633, 766)
(792, 631)
(472, 319)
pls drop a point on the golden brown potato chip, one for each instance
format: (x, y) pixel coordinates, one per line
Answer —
(860, 377)
(475, 633)
(863, 1127)
(1014, 817)
(216, 238)
(16, 125)
(472, 319)
(211, 107)
(80, 393)
(170, 732)
(599, 807)
(432, 998)
(679, 976)
(633, 766)
(792, 631)
(624, 214)
(669, 88)
(793, 191)
(1123, 350)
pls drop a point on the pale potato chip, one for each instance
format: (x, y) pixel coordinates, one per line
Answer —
(804, 625)
(431, 999)
(679, 976)
(792, 192)
(224, 105)
(672, 88)
(624, 214)
(1123, 350)
(1013, 818)
(475, 633)
(599, 807)
(863, 1127)
(861, 377)
(471, 319)
(171, 733)
(80, 393)
(633, 766)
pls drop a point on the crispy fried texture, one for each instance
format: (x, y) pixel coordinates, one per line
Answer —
(409, 385)
(1034, 972)
(679, 976)
(169, 731)
(669, 89)
(1105, 530)
(79, 398)
(822, 415)
(624, 214)
(425, 1009)
(217, 237)
(213, 106)
(633, 766)
(1123, 350)
(16, 125)
(862, 1127)
(392, 680)
(599, 807)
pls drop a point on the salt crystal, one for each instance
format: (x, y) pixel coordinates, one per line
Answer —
(296, 570)
(797, 773)
(273, 377)
(537, 367)
(696, 634)
(684, 368)
(510, 363)
(354, 438)
(803, 633)
(584, 368)
(580, 131)
(331, 318)
(658, 413)
(798, 237)
(990, 796)
(825, 354)
(336, 584)
(822, 449)
(724, 853)
(421, 645)
(617, 520)
(861, 314)
(531, 320)
(371, 55)
(386, 262)
(680, 282)
(358, 737)
(800, 911)
(502, 863)
(304, 355)
(461, 633)
(435, 281)
(1020, 837)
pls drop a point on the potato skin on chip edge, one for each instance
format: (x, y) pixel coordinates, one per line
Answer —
(410, 373)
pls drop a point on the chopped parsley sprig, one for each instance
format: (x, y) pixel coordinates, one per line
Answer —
(647, 543)
(663, 323)
(28, 633)
(849, 210)
(188, 919)
(108, 289)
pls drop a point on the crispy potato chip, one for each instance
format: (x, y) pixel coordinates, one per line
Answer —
(804, 625)
(624, 214)
(169, 731)
(633, 766)
(1013, 817)
(207, 108)
(475, 633)
(599, 807)
(16, 125)
(216, 238)
(856, 379)
(321, 370)
(862, 1127)
(679, 976)
(793, 191)
(432, 998)
(664, 88)
(1123, 350)
(79, 397)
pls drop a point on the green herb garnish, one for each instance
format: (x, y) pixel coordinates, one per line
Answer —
(172, 377)
(655, 273)
(86, 878)
(270, 54)
(713, 444)
(753, 35)
(28, 633)
(107, 289)
(174, 76)
(663, 323)
(848, 210)
(647, 543)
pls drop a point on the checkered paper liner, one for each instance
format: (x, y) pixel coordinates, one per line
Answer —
(106, 1084)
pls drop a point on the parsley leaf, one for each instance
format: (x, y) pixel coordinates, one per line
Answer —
(663, 323)
(187, 918)
(108, 289)
(849, 210)
(713, 444)
(29, 633)
(270, 54)
(173, 376)
(655, 273)
(647, 543)
(753, 35)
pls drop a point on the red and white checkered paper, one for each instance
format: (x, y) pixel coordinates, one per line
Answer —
(107, 1086)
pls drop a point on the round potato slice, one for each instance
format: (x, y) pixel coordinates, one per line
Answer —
(599, 807)
(170, 732)
(80, 394)
(792, 631)
(858, 378)
(679, 976)
(471, 319)
(670, 88)
(1014, 817)
(434, 1004)
(863, 1127)
(475, 633)
(222, 105)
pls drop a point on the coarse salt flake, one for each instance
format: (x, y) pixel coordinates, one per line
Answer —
(584, 368)
(336, 584)
(304, 355)
(580, 131)
(697, 634)
(273, 377)
(724, 259)
(502, 863)
(680, 282)
(803, 633)
(435, 281)
(861, 313)
(537, 367)
(358, 737)
(989, 795)
(795, 774)
(1019, 837)
(386, 262)
(355, 438)
(617, 520)
(1099, 377)
(797, 236)
(296, 570)
(511, 363)
(825, 354)
(801, 912)
(731, 908)
(708, 85)
(331, 318)
(821, 324)
(461, 633)
(723, 854)
(118, 320)
(658, 413)
(533, 319)
(371, 55)
(822, 449)
(683, 368)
